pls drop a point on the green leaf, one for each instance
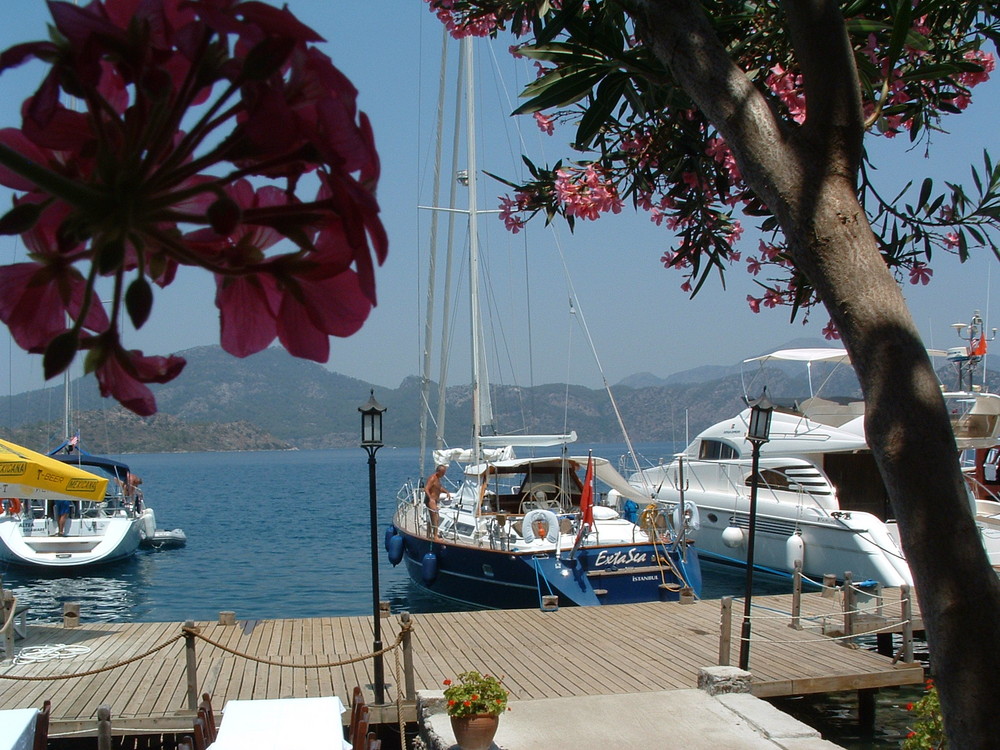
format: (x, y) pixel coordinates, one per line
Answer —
(609, 93)
(559, 91)
(925, 192)
(902, 22)
(562, 53)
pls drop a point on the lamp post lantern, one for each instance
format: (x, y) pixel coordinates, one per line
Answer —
(758, 433)
(371, 441)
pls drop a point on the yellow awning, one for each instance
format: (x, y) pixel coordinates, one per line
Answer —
(27, 474)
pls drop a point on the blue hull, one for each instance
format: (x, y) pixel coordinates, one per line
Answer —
(500, 579)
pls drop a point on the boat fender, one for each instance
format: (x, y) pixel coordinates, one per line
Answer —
(691, 521)
(795, 551)
(390, 532)
(732, 537)
(429, 568)
(148, 520)
(394, 547)
(540, 524)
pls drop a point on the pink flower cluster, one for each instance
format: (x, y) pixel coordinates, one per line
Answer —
(787, 86)
(511, 207)
(119, 190)
(459, 23)
(586, 193)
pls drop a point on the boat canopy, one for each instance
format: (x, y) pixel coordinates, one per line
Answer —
(603, 470)
(528, 441)
(501, 447)
(804, 355)
(27, 474)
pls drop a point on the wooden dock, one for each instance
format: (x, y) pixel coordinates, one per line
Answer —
(570, 652)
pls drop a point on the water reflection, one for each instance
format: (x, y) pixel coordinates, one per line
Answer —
(112, 593)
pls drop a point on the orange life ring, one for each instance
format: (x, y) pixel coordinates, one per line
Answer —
(14, 504)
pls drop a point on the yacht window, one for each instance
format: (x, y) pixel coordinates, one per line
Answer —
(716, 450)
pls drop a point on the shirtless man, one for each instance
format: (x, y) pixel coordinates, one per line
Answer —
(432, 493)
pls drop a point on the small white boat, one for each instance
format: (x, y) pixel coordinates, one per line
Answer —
(165, 539)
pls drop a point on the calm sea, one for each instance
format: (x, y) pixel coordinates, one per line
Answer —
(287, 534)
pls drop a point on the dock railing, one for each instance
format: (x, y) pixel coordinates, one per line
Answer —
(862, 612)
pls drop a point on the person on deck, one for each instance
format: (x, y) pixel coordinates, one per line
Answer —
(432, 494)
(62, 509)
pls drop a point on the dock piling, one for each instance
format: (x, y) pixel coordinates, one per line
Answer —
(906, 614)
(725, 631)
(191, 666)
(796, 596)
(408, 680)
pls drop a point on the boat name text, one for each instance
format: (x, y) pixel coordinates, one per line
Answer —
(606, 558)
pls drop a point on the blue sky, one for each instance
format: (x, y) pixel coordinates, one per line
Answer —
(638, 317)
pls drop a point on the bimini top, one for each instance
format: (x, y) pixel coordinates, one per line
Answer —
(805, 355)
(820, 354)
(603, 470)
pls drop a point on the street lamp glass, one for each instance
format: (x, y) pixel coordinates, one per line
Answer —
(761, 410)
(371, 422)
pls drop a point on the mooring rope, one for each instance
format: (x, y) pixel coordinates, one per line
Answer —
(89, 672)
(49, 652)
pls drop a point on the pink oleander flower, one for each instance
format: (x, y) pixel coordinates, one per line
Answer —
(984, 59)
(460, 24)
(545, 124)
(510, 207)
(198, 121)
(788, 87)
(830, 332)
(586, 193)
(754, 303)
(772, 298)
(951, 240)
(920, 273)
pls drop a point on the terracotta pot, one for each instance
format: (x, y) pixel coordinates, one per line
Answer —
(475, 732)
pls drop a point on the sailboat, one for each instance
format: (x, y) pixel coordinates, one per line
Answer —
(532, 532)
(58, 515)
(57, 527)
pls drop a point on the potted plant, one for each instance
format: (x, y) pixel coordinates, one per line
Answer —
(475, 702)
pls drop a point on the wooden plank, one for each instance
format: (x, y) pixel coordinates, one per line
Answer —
(586, 651)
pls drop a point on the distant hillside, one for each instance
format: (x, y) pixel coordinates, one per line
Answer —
(116, 430)
(272, 401)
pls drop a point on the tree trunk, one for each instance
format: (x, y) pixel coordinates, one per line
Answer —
(808, 177)
(909, 432)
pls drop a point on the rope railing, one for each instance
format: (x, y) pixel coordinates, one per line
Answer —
(402, 663)
(850, 611)
(405, 629)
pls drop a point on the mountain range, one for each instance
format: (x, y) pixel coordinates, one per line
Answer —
(273, 401)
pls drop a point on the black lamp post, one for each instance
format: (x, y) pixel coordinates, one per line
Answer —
(371, 441)
(758, 433)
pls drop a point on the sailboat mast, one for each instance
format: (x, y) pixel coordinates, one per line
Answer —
(477, 374)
